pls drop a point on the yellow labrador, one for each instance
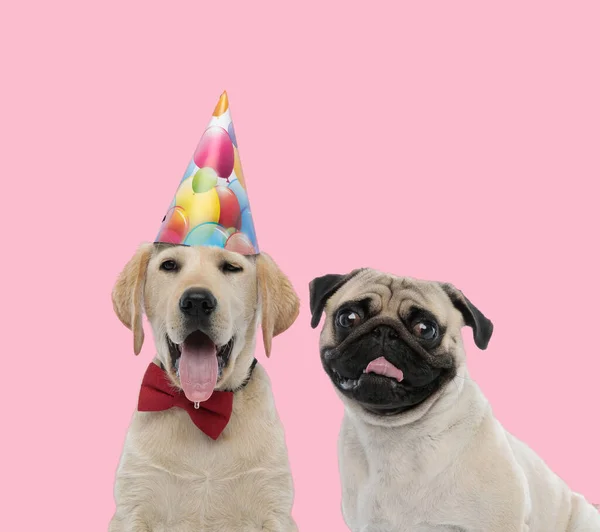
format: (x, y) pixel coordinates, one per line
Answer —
(204, 306)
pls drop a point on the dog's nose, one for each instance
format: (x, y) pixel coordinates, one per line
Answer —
(197, 302)
(385, 332)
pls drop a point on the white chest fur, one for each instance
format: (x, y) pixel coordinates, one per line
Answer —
(173, 477)
(455, 470)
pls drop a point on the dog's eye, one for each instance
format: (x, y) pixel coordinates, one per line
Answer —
(347, 319)
(227, 267)
(169, 266)
(425, 330)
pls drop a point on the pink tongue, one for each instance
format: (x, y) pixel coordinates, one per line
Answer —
(381, 366)
(198, 367)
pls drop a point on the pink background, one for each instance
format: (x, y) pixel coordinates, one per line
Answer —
(452, 141)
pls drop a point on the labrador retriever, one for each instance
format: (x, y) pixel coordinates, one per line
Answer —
(205, 450)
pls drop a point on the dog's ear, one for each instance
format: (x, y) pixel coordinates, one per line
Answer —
(279, 302)
(482, 327)
(321, 289)
(128, 295)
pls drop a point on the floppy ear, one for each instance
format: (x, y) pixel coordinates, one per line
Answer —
(280, 303)
(482, 327)
(128, 295)
(321, 289)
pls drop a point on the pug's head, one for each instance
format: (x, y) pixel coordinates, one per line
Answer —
(392, 344)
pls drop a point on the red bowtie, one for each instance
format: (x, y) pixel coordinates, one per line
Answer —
(158, 394)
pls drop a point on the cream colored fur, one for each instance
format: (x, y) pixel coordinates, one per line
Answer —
(447, 465)
(172, 477)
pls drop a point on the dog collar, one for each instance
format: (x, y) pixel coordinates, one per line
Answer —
(248, 377)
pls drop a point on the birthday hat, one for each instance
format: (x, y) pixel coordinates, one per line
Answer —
(211, 207)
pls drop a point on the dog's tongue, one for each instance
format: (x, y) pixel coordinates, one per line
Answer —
(198, 367)
(381, 366)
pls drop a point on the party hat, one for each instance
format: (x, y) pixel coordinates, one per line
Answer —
(211, 206)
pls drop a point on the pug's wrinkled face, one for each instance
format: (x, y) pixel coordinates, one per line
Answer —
(391, 343)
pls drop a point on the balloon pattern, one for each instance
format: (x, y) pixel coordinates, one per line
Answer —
(208, 234)
(231, 132)
(174, 227)
(204, 180)
(237, 167)
(191, 169)
(211, 206)
(240, 194)
(240, 243)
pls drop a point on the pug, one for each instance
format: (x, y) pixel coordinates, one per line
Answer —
(419, 447)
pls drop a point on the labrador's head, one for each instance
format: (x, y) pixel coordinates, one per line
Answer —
(390, 344)
(203, 304)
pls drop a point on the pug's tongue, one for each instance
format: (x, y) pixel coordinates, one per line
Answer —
(381, 366)
(198, 367)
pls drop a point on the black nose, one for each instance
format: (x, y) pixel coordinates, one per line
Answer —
(197, 302)
(385, 332)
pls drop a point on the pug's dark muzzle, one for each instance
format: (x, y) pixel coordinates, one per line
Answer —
(423, 372)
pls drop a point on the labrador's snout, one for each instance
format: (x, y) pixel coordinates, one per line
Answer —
(197, 302)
